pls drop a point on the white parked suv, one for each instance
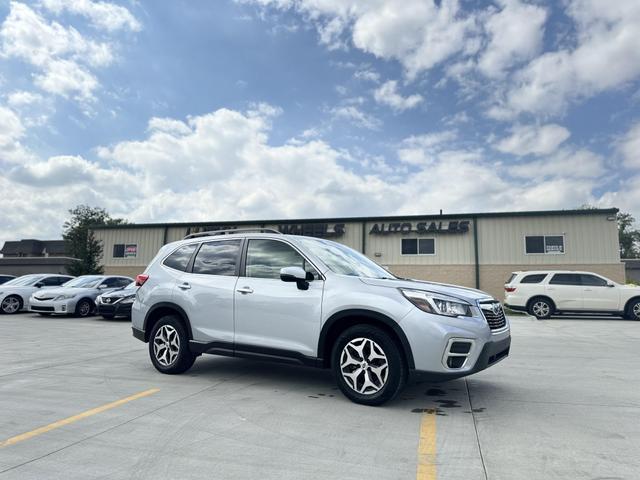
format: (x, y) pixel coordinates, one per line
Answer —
(313, 302)
(544, 293)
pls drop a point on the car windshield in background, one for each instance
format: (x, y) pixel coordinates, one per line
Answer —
(84, 282)
(131, 286)
(24, 281)
(344, 260)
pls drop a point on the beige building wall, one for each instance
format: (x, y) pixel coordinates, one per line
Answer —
(148, 241)
(463, 275)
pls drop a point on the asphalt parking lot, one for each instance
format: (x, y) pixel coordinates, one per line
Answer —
(79, 399)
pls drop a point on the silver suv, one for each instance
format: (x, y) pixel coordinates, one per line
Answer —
(310, 301)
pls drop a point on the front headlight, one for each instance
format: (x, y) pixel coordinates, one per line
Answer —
(438, 304)
(66, 296)
(128, 300)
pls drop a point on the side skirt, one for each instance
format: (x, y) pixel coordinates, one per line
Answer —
(229, 349)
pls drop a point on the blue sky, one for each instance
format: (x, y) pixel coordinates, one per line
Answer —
(199, 110)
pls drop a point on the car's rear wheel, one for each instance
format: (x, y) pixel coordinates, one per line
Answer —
(368, 365)
(169, 346)
(11, 304)
(633, 311)
(84, 308)
(541, 308)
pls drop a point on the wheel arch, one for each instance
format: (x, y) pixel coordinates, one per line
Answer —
(340, 321)
(22, 301)
(629, 302)
(543, 297)
(161, 309)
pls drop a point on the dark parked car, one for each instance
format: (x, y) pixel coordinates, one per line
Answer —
(6, 278)
(117, 303)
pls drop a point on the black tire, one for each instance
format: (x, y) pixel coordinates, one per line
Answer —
(633, 310)
(9, 304)
(541, 308)
(184, 358)
(84, 308)
(396, 369)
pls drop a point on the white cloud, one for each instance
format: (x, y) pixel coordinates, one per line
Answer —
(108, 16)
(356, 117)
(11, 128)
(533, 139)
(367, 75)
(564, 164)
(515, 35)
(422, 150)
(21, 98)
(387, 94)
(629, 147)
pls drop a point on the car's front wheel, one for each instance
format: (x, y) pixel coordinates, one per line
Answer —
(169, 346)
(541, 308)
(368, 365)
(84, 308)
(633, 312)
(11, 304)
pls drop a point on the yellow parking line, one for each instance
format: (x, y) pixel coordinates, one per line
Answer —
(427, 448)
(66, 421)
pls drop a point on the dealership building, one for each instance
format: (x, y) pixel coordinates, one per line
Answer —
(472, 249)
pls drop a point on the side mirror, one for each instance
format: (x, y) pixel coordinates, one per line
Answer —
(611, 285)
(295, 274)
(39, 285)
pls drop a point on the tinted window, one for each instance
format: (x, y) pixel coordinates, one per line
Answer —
(54, 281)
(566, 279)
(534, 244)
(426, 246)
(409, 246)
(123, 282)
(180, 258)
(265, 259)
(118, 250)
(536, 278)
(217, 258)
(111, 282)
(513, 275)
(593, 281)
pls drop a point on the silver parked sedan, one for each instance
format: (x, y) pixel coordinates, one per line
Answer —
(14, 295)
(77, 296)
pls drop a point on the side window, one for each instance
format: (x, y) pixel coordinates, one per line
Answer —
(593, 281)
(123, 282)
(566, 279)
(265, 258)
(180, 258)
(218, 258)
(111, 282)
(53, 281)
(536, 278)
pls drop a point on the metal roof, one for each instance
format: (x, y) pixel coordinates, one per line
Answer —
(394, 218)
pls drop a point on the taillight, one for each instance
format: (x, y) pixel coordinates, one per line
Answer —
(509, 289)
(140, 279)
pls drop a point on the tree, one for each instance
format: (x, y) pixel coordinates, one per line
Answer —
(628, 236)
(81, 243)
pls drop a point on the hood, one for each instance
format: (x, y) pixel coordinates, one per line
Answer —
(119, 293)
(463, 293)
(52, 292)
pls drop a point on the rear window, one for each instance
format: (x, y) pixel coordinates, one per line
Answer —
(180, 258)
(535, 278)
(513, 275)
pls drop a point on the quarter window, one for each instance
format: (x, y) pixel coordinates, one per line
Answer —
(265, 259)
(180, 258)
(544, 244)
(566, 279)
(536, 278)
(217, 258)
(418, 246)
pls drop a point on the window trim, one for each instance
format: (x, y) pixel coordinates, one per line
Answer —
(192, 261)
(544, 237)
(243, 258)
(418, 254)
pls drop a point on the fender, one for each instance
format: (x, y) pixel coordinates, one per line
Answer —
(172, 306)
(355, 312)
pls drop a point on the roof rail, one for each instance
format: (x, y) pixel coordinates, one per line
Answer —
(212, 233)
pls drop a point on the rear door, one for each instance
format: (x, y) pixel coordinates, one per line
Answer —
(598, 295)
(207, 290)
(272, 315)
(566, 291)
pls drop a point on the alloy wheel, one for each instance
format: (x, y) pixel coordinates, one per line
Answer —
(364, 366)
(541, 309)
(10, 305)
(636, 310)
(84, 309)
(166, 345)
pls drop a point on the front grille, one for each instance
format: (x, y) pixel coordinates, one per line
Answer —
(42, 309)
(44, 298)
(494, 314)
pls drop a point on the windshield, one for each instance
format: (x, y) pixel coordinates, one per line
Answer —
(131, 286)
(23, 281)
(344, 260)
(84, 282)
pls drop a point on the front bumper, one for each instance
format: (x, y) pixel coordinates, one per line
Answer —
(60, 307)
(114, 309)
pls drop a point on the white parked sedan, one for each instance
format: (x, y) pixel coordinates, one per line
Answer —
(14, 295)
(544, 293)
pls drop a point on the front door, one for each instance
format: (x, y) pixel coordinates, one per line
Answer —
(566, 291)
(598, 295)
(272, 316)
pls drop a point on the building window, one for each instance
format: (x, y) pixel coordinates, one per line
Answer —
(418, 246)
(544, 244)
(121, 250)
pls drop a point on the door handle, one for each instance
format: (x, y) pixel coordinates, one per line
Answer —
(184, 286)
(245, 290)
